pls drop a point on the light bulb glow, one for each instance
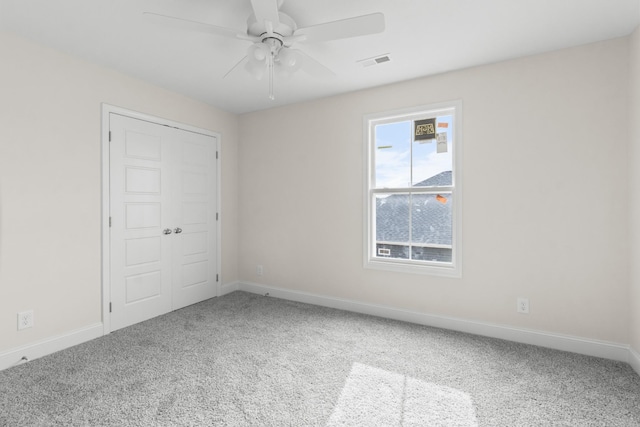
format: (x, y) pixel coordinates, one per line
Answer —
(255, 68)
(261, 52)
(288, 58)
(258, 52)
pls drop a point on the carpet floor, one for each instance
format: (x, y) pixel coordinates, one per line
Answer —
(249, 360)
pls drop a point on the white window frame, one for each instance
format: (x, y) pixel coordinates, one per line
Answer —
(453, 269)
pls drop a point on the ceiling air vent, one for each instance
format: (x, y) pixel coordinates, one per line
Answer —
(381, 59)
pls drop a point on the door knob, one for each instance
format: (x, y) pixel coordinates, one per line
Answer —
(167, 231)
(178, 230)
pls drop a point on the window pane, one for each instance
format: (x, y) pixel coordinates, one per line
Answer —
(392, 226)
(431, 254)
(393, 155)
(385, 250)
(431, 219)
(432, 160)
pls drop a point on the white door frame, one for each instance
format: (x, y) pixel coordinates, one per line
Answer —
(106, 208)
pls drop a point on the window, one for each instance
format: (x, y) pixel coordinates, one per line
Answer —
(413, 206)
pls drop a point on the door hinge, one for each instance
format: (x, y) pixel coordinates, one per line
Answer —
(109, 307)
(216, 277)
(216, 216)
(216, 155)
(109, 221)
(109, 136)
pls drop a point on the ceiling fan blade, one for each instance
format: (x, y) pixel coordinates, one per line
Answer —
(185, 24)
(344, 28)
(266, 11)
(313, 67)
(242, 61)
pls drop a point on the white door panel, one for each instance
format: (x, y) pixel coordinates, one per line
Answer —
(139, 199)
(161, 178)
(194, 243)
(142, 215)
(195, 270)
(142, 180)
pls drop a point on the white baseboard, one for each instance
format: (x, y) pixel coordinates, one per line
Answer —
(47, 346)
(634, 360)
(608, 350)
(227, 288)
(578, 345)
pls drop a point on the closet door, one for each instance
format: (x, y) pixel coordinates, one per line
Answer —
(163, 231)
(194, 244)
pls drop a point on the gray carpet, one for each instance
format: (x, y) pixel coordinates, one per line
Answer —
(249, 360)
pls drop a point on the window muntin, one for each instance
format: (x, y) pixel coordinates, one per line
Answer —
(412, 208)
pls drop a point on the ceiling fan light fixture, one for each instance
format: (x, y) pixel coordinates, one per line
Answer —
(259, 51)
(272, 34)
(290, 58)
(256, 68)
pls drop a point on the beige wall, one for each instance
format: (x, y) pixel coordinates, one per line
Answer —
(545, 191)
(50, 183)
(634, 168)
(545, 195)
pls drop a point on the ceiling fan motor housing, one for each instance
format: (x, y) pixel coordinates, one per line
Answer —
(285, 28)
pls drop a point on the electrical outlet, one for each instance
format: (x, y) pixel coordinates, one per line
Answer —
(25, 319)
(259, 270)
(523, 305)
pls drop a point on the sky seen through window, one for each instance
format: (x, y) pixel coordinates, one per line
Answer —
(402, 162)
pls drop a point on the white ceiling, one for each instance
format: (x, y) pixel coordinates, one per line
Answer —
(423, 37)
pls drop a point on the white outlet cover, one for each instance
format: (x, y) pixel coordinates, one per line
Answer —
(25, 319)
(523, 305)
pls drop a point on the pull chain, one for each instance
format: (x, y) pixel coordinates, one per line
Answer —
(270, 65)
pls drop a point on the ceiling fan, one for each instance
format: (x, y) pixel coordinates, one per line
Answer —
(273, 33)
